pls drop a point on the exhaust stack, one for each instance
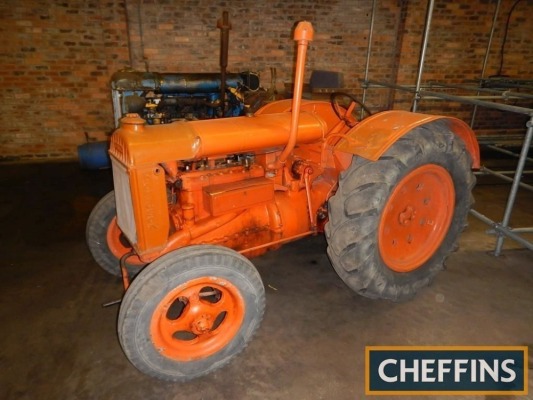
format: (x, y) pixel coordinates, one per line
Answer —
(303, 34)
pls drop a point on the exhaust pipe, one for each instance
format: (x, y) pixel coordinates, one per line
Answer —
(303, 34)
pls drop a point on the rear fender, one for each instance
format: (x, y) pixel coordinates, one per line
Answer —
(372, 137)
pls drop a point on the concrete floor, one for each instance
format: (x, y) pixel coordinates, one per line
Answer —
(57, 342)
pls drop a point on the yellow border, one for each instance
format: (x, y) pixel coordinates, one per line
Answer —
(445, 392)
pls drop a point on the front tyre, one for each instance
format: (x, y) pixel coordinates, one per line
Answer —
(393, 222)
(190, 312)
(106, 241)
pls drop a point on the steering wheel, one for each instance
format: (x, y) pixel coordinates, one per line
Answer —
(352, 118)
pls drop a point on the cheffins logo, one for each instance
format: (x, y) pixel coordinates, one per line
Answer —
(446, 370)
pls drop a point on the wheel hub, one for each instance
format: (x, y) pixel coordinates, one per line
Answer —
(407, 215)
(202, 324)
(118, 245)
(197, 318)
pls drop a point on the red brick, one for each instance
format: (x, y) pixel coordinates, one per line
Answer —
(60, 56)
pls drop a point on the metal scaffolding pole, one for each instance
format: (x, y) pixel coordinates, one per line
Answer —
(469, 100)
(500, 175)
(487, 52)
(515, 185)
(509, 153)
(425, 40)
(502, 93)
(504, 231)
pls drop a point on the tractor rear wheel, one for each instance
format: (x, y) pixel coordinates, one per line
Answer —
(190, 312)
(393, 222)
(106, 241)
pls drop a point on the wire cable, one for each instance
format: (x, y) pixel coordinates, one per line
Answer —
(504, 41)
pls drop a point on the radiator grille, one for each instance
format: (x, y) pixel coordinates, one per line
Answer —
(125, 217)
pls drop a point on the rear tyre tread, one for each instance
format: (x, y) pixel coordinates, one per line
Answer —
(356, 208)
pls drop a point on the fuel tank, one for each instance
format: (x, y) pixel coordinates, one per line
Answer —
(136, 143)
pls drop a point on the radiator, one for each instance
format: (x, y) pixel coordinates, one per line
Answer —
(125, 217)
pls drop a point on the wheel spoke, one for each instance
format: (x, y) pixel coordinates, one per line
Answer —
(194, 304)
(170, 326)
(222, 305)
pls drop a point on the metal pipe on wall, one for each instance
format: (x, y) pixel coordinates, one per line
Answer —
(128, 33)
(427, 28)
(141, 35)
(369, 51)
(224, 25)
(487, 52)
(129, 27)
(398, 44)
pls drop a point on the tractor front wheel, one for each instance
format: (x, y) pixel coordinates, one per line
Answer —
(393, 222)
(190, 312)
(106, 241)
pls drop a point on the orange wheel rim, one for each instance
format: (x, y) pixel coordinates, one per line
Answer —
(416, 218)
(117, 243)
(197, 319)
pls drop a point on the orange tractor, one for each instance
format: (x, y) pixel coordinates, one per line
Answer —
(194, 200)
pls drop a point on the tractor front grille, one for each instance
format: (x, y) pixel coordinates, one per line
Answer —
(125, 216)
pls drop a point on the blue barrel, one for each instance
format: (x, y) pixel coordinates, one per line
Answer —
(94, 155)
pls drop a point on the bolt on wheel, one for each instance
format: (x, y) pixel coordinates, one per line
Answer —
(393, 222)
(416, 218)
(197, 319)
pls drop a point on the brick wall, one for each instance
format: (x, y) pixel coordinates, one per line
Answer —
(184, 37)
(57, 56)
(56, 59)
